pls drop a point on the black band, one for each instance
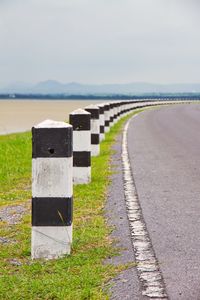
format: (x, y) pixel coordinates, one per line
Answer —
(107, 123)
(81, 159)
(52, 142)
(80, 122)
(101, 110)
(101, 129)
(94, 139)
(94, 112)
(47, 211)
(106, 107)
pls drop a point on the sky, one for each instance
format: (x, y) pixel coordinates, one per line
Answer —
(100, 41)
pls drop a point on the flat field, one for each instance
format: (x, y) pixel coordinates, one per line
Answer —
(21, 115)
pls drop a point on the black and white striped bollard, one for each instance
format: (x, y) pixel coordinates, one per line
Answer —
(111, 114)
(115, 113)
(95, 129)
(118, 110)
(51, 190)
(102, 121)
(107, 116)
(80, 120)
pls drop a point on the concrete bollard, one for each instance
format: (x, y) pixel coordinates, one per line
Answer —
(80, 120)
(51, 190)
(107, 117)
(115, 113)
(122, 109)
(118, 110)
(127, 107)
(95, 129)
(102, 121)
(111, 114)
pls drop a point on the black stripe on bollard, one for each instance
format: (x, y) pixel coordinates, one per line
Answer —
(101, 109)
(94, 112)
(107, 123)
(81, 159)
(94, 139)
(52, 211)
(49, 142)
(80, 122)
(102, 129)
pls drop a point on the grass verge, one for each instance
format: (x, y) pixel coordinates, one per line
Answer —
(82, 275)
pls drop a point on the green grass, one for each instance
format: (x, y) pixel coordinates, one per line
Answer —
(15, 168)
(82, 275)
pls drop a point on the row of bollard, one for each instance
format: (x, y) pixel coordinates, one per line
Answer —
(61, 156)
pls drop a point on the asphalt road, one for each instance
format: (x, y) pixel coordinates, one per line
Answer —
(164, 150)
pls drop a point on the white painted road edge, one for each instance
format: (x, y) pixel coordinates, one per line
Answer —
(147, 266)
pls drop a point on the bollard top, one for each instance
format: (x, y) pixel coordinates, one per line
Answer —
(106, 106)
(80, 119)
(94, 110)
(52, 139)
(80, 111)
(52, 124)
(92, 106)
(101, 108)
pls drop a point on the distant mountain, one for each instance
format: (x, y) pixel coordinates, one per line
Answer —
(73, 88)
(16, 87)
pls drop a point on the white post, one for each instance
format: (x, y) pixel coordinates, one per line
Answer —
(111, 114)
(115, 113)
(118, 111)
(95, 129)
(102, 121)
(107, 117)
(51, 190)
(80, 120)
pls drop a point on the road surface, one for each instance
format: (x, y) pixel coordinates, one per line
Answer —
(164, 152)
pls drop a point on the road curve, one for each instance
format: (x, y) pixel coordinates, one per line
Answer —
(164, 152)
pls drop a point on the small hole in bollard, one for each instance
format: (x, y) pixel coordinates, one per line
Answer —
(51, 150)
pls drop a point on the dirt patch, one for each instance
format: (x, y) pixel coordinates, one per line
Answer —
(13, 214)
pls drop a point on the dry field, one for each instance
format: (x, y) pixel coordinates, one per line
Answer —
(21, 115)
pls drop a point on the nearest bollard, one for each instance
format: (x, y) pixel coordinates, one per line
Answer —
(52, 192)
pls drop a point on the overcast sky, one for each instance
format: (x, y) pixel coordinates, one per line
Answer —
(100, 41)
